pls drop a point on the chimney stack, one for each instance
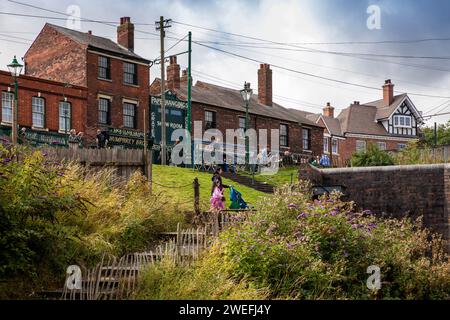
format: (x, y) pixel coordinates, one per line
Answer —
(90, 32)
(356, 103)
(173, 74)
(125, 33)
(184, 77)
(328, 111)
(388, 93)
(265, 85)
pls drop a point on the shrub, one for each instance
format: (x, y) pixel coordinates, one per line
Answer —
(321, 250)
(372, 157)
(206, 280)
(53, 215)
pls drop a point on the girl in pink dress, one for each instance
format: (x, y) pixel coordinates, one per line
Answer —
(217, 203)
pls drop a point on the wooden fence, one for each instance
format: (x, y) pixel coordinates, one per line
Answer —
(117, 279)
(124, 161)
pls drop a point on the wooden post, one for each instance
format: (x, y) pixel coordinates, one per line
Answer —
(197, 197)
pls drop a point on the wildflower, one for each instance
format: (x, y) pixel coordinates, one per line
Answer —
(355, 226)
(345, 254)
(334, 213)
(6, 160)
(289, 245)
(301, 216)
(293, 206)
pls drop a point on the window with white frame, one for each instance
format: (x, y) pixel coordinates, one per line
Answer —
(382, 146)
(361, 146)
(38, 112)
(129, 115)
(7, 107)
(402, 121)
(326, 145)
(65, 116)
(335, 146)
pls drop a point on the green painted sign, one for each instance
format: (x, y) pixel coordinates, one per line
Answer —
(38, 138)
(126, 138)
(176, 117)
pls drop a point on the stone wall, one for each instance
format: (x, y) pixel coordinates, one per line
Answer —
(395, 191)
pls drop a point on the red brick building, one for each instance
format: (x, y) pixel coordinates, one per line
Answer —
(42, 104)
(223, 108)
(390, 123)
(107, 81)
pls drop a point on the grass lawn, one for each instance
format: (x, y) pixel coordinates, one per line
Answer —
(282, 178)
(182, 191)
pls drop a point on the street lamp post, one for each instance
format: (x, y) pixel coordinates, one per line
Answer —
(247, 95)
(15, 68)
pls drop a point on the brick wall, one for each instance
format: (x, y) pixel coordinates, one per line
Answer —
(396, 191)
(53, 93)
(56, 57)
(118, 91)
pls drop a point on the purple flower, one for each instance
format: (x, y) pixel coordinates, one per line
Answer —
(334, 213)
(289, 245)
(301, 216)
(293, 206)
(6, 160)
(345, 254)
(355, 226)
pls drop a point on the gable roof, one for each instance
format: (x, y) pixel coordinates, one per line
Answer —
(361, 119)
(214, 95)
(96, 42)
(383, 111)
(333, 125)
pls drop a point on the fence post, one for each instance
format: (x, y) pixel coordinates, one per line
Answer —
(197, 197)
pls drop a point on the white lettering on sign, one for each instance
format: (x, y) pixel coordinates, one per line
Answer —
(74, 279)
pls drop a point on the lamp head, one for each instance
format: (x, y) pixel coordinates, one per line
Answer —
(15, 68)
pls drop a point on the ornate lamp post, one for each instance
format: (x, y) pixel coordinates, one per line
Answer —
(247, 95)
(15, 68)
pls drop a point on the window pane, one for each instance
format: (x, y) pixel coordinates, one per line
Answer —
(103, 111)
(242, 123)
(38, 112)
(129, 115)
(64, 116)
(7, 104)
(335, 146)
(402, 121)
(129, 73)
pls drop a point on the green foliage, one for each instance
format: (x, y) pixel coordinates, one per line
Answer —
(206, 280)
(321, 250)
(53, 215)
(443, 135)
(418, 152)
(372, 157)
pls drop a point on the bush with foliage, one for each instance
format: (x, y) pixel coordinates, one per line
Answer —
(53, 215)
(293, 248)
(372, 157)
(322, 249)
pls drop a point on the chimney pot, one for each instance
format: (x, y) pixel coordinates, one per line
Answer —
(265, 92)
(90, 32)
(173, 74)
(388, 92)
(328, 111)
(125, 33)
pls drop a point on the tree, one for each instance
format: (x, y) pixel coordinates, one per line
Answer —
(372, 157)
(443, 135)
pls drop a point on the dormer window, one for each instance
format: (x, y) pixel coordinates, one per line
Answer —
(402, 122)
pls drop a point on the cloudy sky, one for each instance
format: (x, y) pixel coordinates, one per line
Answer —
(308, 37)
